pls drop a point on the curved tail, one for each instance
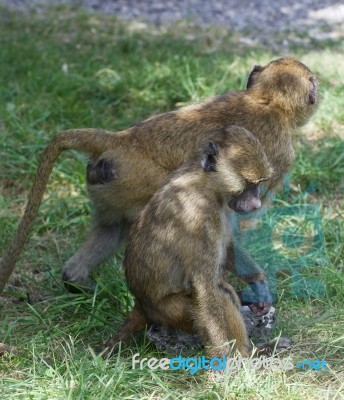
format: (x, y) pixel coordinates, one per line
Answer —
(91, 141)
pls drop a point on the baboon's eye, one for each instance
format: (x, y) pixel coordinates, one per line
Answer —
(313, 90)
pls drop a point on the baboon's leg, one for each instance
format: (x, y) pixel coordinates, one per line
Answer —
(173, 311)
(218, 320)
(101, 243)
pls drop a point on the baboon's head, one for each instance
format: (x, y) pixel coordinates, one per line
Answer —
(236, 163)
(285, 83)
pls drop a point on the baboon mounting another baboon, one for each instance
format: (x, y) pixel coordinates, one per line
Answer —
(126, 168)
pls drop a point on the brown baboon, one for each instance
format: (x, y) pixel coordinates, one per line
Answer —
(177, 251)
(127, 168)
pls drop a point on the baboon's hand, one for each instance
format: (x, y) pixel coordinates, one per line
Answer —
(259, 309)
(259, 300)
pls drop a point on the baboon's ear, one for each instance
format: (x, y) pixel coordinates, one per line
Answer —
(250, 78)
(209, 157)
(313, 90)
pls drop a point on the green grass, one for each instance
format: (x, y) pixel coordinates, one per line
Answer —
(73, 70)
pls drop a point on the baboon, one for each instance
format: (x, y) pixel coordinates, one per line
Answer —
(177, 250)
(125, 169)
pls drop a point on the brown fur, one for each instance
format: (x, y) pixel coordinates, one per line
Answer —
(127, 168)
(177, 247)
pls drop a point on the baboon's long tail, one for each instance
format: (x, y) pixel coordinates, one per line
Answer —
(91, 141)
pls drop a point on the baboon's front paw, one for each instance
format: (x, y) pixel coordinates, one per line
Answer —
(258, 299)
